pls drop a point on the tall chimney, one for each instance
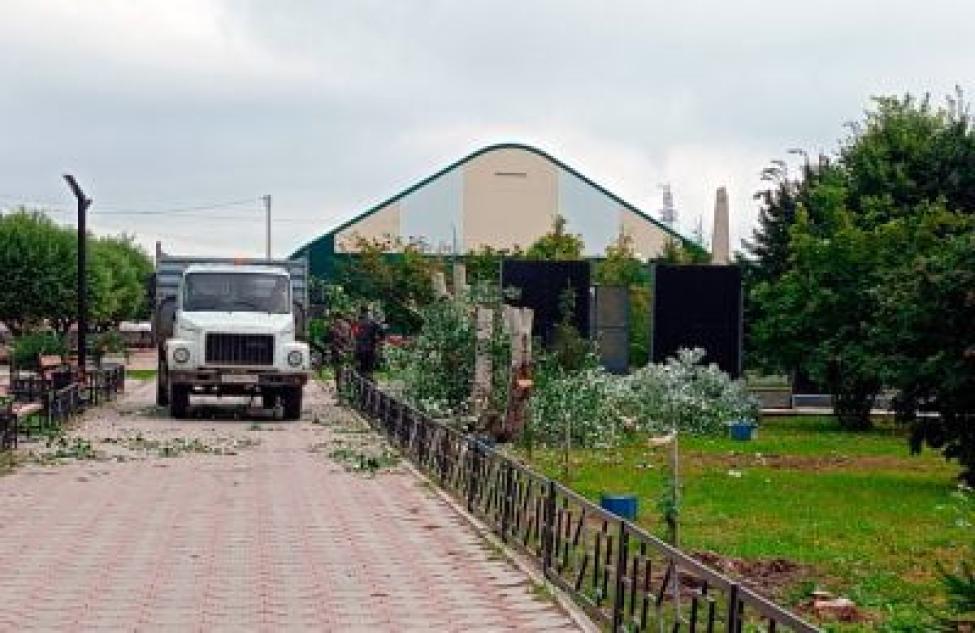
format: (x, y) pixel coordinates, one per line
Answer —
(719, 236)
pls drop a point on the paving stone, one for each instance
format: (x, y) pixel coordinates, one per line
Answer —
(275, 537)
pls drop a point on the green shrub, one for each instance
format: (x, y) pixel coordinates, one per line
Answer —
(28, 347)
(960, 588)
(437, 365)
(110, 342)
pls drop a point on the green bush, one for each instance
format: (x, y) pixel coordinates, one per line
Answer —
(28, 347)
(110, 342)
(960, 588)
(437, 366)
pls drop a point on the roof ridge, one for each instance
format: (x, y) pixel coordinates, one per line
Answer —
(471, 156)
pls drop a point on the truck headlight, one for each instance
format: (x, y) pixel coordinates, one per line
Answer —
(294, 358)
(181, 355)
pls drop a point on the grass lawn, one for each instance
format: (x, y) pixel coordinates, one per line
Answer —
(864, 518)
(141, 374)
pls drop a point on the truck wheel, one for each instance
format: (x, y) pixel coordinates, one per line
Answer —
(162, 389)
(269, 400)
(179, 400)
(292, 403)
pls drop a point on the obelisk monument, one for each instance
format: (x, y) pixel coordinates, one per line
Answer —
(719, 236)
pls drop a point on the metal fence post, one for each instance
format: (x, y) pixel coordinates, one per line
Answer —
(548, 530)
(442, 455)
(473, 453)
(396, 423)
(619, 594)
(506, 500)
(423, 441)
(405, 431)
(734, 609)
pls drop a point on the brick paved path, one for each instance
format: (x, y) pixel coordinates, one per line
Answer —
(239, 528)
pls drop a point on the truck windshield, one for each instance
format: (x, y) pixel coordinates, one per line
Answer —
(236, 292)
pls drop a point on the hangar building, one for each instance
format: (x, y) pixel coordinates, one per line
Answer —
(501, 196)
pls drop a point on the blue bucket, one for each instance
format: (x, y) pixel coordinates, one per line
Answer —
(743, 431)
(620, 505)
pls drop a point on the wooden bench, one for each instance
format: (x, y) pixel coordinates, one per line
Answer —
(48, 364)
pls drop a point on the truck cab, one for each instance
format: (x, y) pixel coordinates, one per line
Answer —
(231, 328)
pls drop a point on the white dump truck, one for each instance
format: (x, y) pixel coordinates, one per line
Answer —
(230, 327)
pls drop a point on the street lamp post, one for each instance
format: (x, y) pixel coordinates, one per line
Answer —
(83, 204)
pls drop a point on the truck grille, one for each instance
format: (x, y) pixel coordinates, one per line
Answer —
(240, 349)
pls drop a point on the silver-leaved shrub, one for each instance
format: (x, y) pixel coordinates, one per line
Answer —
(597, 409)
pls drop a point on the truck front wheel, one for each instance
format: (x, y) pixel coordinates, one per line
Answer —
(179, 400)
(292, 403)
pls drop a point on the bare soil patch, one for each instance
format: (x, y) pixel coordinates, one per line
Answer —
(777, 578)
(773, 578)
(797, 462)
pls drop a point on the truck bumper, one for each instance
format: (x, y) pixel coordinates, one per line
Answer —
(231, 382)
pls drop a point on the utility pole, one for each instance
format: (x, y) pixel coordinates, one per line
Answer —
(267, 207)
(83, 204)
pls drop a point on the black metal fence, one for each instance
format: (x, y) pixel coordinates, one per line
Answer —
(61, 394)
(623, 576)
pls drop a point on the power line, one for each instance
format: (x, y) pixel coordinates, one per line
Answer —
(110, 210)
(50, 207)
(201, 218)
(299, 220)
(33, 202)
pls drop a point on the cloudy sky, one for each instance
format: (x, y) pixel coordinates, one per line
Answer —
(177, 115)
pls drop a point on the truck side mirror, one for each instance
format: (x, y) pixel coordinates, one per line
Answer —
(164, 319)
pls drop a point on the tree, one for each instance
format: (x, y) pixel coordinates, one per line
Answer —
(393, 275)
(926, 316)
(906, 153)
(878, 284)
(484, 263)
(766, 255)
(621, 267)
(768, 248)
(818, 314)
(37, 262)
(681, 252)
(557, 244)
(121, 269)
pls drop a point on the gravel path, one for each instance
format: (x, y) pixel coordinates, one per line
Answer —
(134, 521)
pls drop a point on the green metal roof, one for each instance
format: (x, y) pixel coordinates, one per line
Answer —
(484, 150)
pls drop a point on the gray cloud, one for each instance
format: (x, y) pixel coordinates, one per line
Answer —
(331, 107)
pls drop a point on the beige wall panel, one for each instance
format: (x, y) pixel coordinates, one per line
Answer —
(382, 224)
(648, 238)
(510, 198)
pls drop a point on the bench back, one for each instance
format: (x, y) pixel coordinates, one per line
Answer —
(48, 362)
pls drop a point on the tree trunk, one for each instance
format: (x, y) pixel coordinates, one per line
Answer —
(852, 405)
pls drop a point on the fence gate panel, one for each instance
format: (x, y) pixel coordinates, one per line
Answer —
(611, 326)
